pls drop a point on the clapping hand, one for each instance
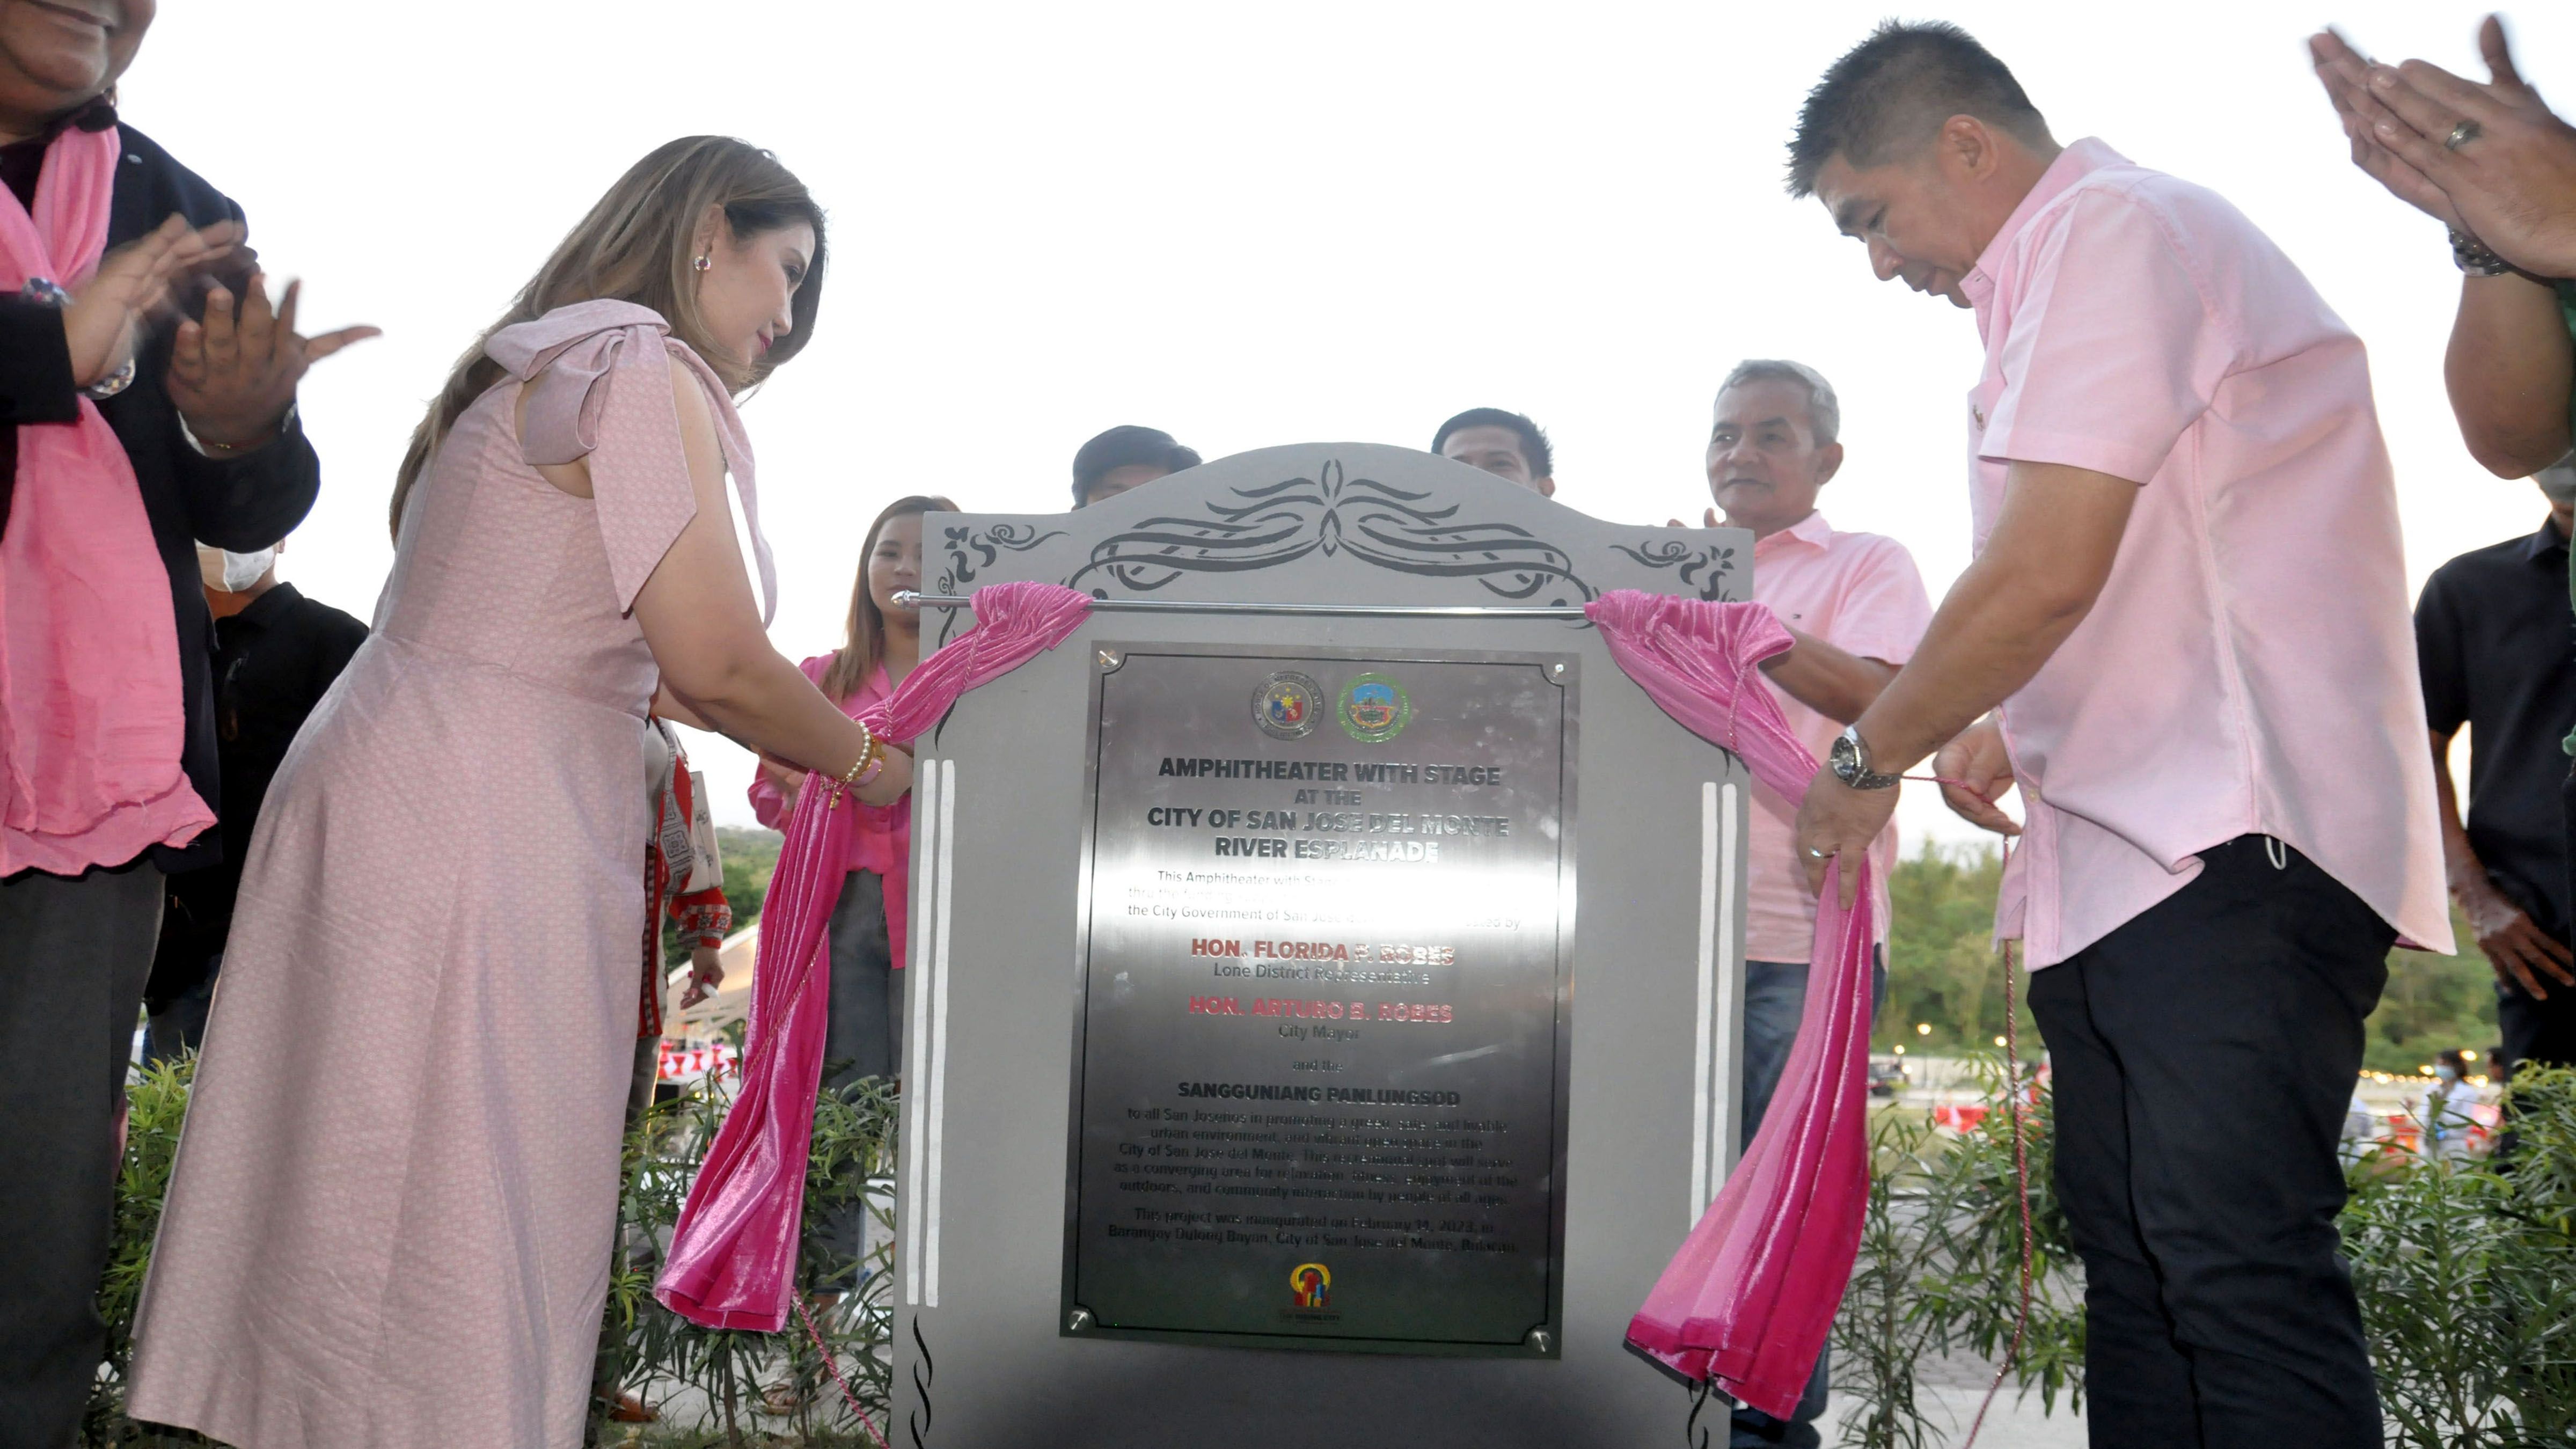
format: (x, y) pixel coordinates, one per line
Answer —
(234, 373)
(131, 284)
(2490, 160)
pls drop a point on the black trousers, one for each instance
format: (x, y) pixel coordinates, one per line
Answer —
(2204, 1055)
(74, 952)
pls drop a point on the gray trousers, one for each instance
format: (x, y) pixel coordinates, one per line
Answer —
(74, 953)
(1775, 998)
(865, 1036)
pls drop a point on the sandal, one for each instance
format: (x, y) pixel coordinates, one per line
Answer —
(782, 1399)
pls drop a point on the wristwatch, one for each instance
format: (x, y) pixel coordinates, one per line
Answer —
(1850, 760)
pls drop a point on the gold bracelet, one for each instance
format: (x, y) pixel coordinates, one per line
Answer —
(867, 749)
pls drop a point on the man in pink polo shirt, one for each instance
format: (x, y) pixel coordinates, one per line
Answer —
(1855, 604)
(2187, 617)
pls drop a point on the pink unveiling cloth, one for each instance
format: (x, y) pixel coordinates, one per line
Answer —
(1748, 1300)
(2250, 666)
(92, 720)
(881, 838)
(1860, 593)
(733, 1254)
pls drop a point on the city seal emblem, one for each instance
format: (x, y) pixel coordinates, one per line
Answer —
(1374, 708)
(1286, 704)
(1310, 1285)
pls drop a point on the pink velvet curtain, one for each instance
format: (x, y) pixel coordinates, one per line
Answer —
(733, 1255)
(1746, 1304)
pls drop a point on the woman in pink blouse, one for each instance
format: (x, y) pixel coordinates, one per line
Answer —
(867, 931)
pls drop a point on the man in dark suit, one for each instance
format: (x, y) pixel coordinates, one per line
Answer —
(196, 375)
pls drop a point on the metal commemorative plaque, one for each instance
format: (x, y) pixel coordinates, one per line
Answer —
(1320, 1062)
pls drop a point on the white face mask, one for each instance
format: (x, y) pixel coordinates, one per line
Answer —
(232, 572)
(2557, 482)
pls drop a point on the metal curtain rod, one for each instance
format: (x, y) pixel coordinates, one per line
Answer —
(909, 599)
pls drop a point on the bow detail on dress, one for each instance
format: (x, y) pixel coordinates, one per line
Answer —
(596, 391)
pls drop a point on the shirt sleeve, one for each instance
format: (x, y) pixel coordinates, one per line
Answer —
(2437, 657)
(2111, 351)
(1884, 608)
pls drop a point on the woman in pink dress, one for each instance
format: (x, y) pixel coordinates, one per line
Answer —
(390, 1221)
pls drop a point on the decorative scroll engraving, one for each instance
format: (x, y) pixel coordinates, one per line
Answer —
(970, 552)
(1377, 523)
(1715, 562)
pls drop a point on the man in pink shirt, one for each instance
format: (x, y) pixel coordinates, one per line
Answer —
(1856, 606)
(2187, 615)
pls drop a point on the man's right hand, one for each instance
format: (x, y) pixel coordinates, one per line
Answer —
(131, 283)
(1978, 760)
(2519, 951)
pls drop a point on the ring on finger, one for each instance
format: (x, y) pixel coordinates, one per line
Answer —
(1815, 854)
(2461, 135)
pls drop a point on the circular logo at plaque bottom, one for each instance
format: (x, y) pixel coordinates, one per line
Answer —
(1286, 704)
(1374, 708)
(1311, 1285)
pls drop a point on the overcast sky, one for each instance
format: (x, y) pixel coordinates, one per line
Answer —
(1256, 225)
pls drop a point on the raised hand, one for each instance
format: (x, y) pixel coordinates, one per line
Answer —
(233, 374)
(2503, 162)
(2345, 73)
(131, 283)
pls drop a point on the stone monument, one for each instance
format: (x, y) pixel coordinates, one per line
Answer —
(1323, 1000)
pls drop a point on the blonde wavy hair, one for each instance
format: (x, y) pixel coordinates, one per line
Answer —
(637, 245)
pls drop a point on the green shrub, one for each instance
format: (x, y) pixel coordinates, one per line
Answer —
(2466, 1273)
(642, 1344)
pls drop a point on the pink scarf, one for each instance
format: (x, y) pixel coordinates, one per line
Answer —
(92, 720)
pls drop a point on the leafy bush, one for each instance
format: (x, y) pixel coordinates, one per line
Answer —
(2467, 1277)
(645, 1346)
(642, 1344)
(2463, 1269)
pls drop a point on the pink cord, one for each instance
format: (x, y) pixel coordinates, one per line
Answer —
(2021, 1141)
(835, 1370)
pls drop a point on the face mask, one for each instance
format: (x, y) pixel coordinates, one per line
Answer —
(2447, 1074)
(232, 572)
(2557, 483)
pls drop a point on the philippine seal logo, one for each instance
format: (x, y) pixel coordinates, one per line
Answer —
(1286, 704)
(1312, 1284)
(1374, 708)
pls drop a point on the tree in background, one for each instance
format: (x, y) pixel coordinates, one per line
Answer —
(750, 855)
(1943, 973)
